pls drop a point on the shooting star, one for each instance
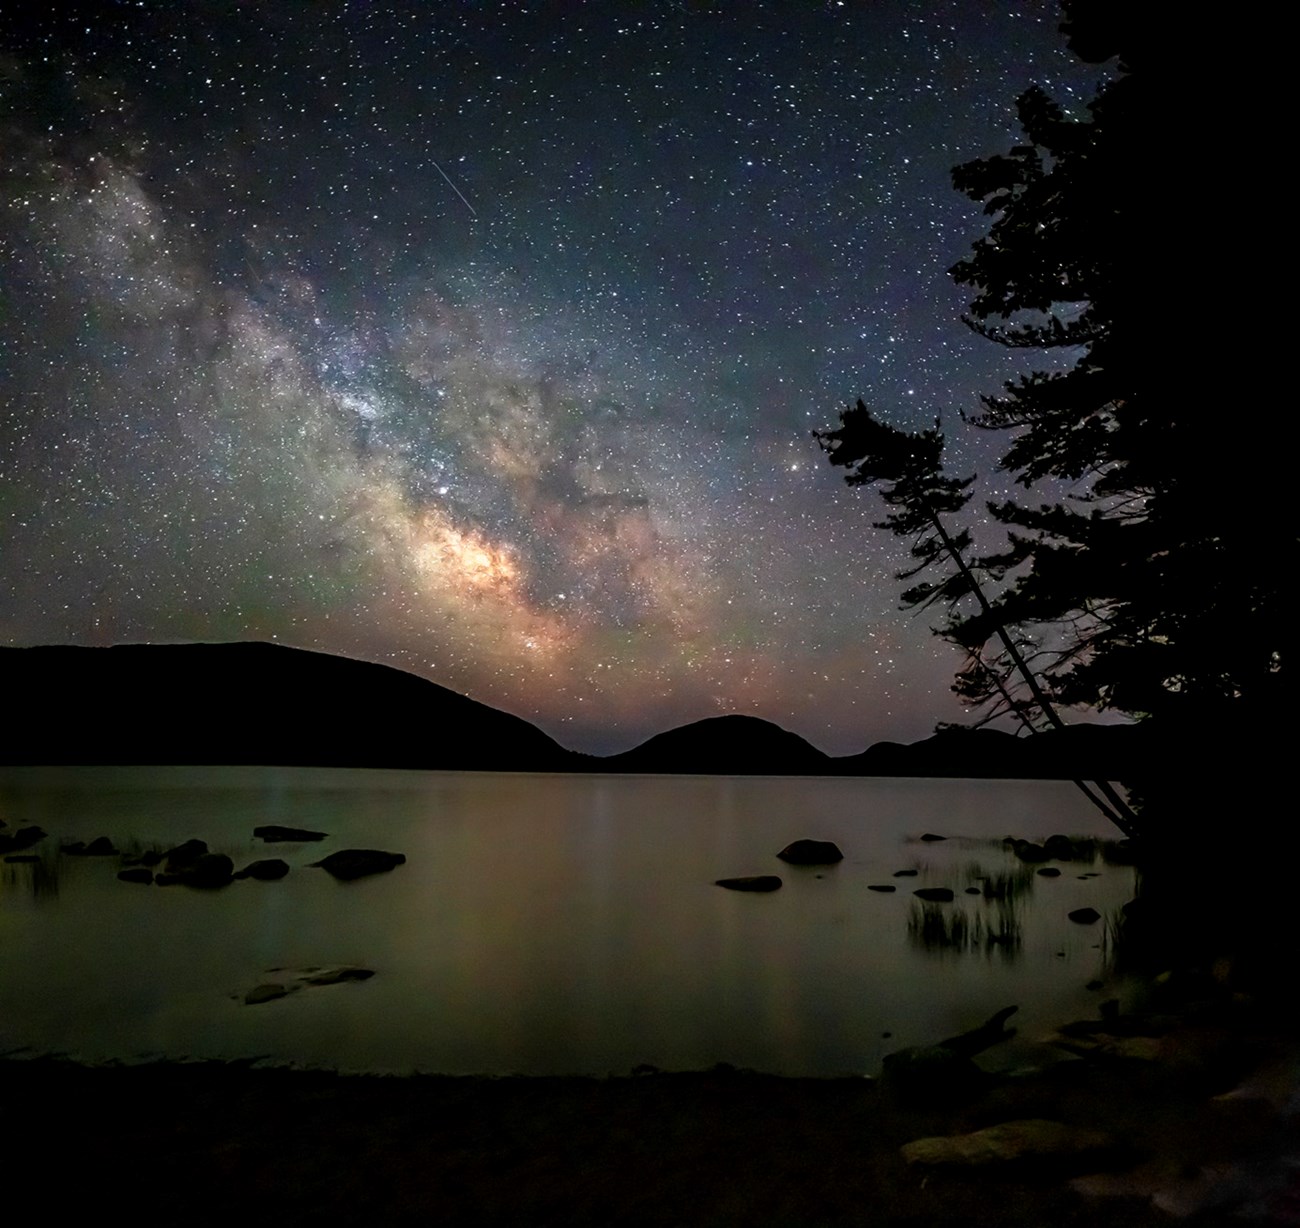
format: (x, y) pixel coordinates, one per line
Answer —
(454, 188)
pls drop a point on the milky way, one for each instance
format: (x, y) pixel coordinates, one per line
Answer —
(487, 340)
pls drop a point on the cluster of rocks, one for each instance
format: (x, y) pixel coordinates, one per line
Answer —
(193, 864)
(826, 852)
(797, 853)
(14, 845)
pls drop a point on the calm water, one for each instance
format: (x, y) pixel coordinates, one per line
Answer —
(544, 924)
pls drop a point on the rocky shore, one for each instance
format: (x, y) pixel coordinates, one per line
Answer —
(1184, 1114)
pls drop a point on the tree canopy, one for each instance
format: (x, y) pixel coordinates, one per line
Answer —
(1147, 577)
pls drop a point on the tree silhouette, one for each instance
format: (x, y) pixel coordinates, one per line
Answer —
(1149, 577)
(919, 497)
(1164, 599)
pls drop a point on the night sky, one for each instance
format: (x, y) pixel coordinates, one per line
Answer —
(487, 339)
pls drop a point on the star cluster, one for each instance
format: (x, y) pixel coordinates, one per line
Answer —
(486, 339)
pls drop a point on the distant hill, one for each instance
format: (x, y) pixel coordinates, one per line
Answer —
(1105, 752)
(724, 746)
(251, 703)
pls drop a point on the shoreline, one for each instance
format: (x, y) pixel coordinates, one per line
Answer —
(212, 1141)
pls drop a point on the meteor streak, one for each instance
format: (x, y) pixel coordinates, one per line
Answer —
(453, 187)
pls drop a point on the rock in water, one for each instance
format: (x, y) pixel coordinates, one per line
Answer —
(1084, 916)
(266, 870)
(348, 864)
(336, 976)
(928, 1074)
(138, 874)
(184, 854)
(811, 853)
(210, 870)
(267, 993)
(939, 895)
(273, 831)
(752, 882)
(1031, 1139)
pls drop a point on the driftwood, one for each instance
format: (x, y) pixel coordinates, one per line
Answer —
(985, 1036)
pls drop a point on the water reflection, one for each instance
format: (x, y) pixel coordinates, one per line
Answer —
(935, 928)
(33, 874)
(545, 925)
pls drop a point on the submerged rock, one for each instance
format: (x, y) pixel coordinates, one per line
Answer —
(811, 853)
(348, 864)
(752, 882)
(1027, 1140)
(266, 870)
(336, 976)
(267, 993)
(272, 831)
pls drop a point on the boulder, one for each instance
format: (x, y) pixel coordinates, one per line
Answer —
(348, 864)
(1033, 1139)
(1031, 852)
(1061, 848)
(21, 839)
(266, 870)
(1049, 872)
(930, 837)
(137, 874)
(974, 891)
(930, 1074)
(939, 895)
(1084, 916)
(811, 853)
(272, 831)
(881, 887)
(906, 873)
(751, 882)
(185, 854)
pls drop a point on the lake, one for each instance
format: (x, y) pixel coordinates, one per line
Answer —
(548, 924)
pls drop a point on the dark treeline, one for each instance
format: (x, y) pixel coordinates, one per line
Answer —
(1148, 579)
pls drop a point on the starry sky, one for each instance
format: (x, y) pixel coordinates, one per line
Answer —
(487, 339)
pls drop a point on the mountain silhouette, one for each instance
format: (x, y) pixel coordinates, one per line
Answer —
(723, 746)
(257, 703)
(252, 703)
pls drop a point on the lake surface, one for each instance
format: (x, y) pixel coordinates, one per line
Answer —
(547, 924)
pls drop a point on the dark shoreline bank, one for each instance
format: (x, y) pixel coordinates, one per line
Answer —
(207, 1142)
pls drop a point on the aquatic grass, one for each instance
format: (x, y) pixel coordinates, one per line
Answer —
(938, 929)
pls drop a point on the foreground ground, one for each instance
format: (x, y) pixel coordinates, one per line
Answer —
(209, 1143)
